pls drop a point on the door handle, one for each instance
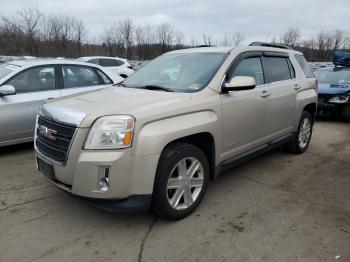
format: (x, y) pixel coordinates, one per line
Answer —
(265, 93)
(297, 87)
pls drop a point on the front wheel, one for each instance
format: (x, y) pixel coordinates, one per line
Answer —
(181, 181)
(302, 137)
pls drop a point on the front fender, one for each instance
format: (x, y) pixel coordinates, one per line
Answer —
(154, 136)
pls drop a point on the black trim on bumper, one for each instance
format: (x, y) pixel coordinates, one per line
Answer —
(132, 204)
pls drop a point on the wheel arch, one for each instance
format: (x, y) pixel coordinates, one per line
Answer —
(205, 142)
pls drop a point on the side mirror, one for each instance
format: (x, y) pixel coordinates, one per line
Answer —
(6, 90)
(239, 83)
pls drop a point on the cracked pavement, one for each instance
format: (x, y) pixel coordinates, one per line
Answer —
(277, 207)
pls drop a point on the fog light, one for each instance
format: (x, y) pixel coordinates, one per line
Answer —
(104, 184)
(103, 178)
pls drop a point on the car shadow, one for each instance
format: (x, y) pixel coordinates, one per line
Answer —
(20, 148)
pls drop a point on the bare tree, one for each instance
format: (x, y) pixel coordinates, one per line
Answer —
(291, 36)
(208, 39)
(225, 41)
(194, 42)
(126, 28)
(338, 38)
(29, 19)
(165, 36)
(178, 38)
(79, 32)
(237, 39)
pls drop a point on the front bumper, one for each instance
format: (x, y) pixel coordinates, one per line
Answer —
(131, 177)
(131, 204)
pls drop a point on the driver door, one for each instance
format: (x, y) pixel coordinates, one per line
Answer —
(243, 111)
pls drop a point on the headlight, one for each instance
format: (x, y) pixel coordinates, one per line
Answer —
(339, 99)
(111, 132)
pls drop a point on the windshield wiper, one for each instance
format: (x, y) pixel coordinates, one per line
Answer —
(156, 87)
(120, 84)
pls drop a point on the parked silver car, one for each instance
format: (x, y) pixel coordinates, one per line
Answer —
(26, 84)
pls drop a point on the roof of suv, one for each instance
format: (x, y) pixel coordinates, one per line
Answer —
(239, 49)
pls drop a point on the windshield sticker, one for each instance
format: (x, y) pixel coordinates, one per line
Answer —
(195, 86)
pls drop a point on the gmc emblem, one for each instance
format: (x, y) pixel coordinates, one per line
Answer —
(47, 132)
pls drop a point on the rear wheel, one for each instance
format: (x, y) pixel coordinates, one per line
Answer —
(302, 137)
(181, 181)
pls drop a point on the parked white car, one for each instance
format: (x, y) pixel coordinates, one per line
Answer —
(26, 84)
(116, 65)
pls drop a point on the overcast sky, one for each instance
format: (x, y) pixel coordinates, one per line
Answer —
(256, 19)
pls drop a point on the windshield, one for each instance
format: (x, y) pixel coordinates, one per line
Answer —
(186, 72)
(335, 76)
(6, 69)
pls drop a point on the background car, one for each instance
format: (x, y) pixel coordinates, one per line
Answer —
(334, 87)
(137, 65)
(116, 65)
(26, 84)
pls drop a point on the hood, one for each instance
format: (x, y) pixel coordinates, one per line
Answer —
(332, 89)
(112, 101)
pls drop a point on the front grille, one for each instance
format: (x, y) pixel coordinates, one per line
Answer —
(56, 147)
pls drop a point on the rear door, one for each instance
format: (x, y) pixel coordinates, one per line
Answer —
(76, 79)
(18, 112)
(279, 93)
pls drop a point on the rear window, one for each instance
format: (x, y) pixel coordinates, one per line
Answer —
(335, 76)
(276, 69)
(111, 62)
(304, 66)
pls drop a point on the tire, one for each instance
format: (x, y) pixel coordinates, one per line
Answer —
(296, 146)
(172, 188)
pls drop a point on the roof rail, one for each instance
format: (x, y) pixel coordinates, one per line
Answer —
(270, 45)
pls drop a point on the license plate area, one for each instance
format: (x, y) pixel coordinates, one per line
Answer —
(46, 169)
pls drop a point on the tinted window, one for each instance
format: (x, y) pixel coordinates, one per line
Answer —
(304, 66)
(94, 61)
(291, 69)
(248, 67)
(111, 62)
(35, 79)
(276, 69)
(79, 76)
(104, 78)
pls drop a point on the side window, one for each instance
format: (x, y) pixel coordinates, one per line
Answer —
(104, 77)
(304, 66)
(248, 67)
(94, 61)
(78, 76)
(276, 69)
(111, 62)
(34, 80)
(291, 69)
